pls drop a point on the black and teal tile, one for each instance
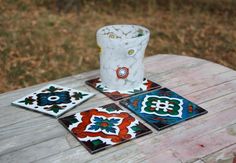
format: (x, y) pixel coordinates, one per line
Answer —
(162, 108)
(53, 100)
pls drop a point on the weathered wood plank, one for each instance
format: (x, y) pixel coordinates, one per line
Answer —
(199, 161)
(33, 153)
(208, 84)
(171, 140)
(138, 139)
(167, 156)
(80, 154)
(72, 82)
(206, 145)
(52, 124)
(185, 134)
(25, 139)
(227, 154)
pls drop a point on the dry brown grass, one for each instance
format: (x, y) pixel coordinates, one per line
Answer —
(37, 44)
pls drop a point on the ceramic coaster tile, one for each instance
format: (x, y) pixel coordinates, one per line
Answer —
(162, 108)
(117, 95)
(53, 100)
(103, 127)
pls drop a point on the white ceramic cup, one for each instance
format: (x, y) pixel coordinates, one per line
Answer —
(122, 50)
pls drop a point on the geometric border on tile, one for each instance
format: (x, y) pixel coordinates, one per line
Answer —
(115, 95)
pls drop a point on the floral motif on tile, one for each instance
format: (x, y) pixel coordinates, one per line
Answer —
(162, 108)
(53, 99)
(104, 126)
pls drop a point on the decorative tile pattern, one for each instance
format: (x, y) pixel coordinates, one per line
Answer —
(162, 108)
(53, 100)
(103, 127)
(117, 95)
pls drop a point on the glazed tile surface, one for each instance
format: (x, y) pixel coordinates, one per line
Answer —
(162, 108)
(117, 95)
(53, 100)
(103, 127)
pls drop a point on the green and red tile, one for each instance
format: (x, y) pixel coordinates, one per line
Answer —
(115, 95)
(102, 127)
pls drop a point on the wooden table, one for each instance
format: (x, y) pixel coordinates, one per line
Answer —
(26, 136)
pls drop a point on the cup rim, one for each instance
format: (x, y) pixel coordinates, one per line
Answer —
(147, 33)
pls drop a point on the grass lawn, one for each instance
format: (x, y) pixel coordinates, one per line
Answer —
(39, 44)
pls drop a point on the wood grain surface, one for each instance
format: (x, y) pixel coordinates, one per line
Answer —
(26, 136)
